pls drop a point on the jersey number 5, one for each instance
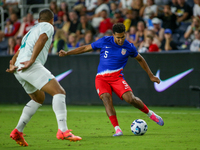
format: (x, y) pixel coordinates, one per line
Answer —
(106, 54)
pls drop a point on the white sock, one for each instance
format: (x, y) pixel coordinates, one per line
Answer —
(60, 110)
(149, 113)
(28, 111)
(117, 127)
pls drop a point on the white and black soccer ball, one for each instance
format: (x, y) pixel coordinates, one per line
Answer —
(139, 127)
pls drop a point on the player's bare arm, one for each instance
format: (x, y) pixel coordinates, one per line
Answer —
(79, 50)
(36, 50)
(145, 66)
(12, 67)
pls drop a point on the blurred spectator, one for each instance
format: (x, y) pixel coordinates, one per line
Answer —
(148, 46)
(3, 44)
(117, 17)
(28, 24)
(11, 6)
(137, 5)
(88, 39)
(11, 46)
(80, 8)
(189, 34)
(196, 8)
(149, 10)
(90, 6)
(72, 41)
(168, 18)
(168, 43)
(127, 21)
(113, 8)
(54, 8)
(106, 23)
(16, 26)
(140, 34)
(59, 42)
(21, 29)
(159, 31)
(183, 11)
(108, 33)
(96, 18)
(64, 7)
(83, 27)
(66, 24)
(59, 23)
(136, 18)
(18, 44)
(8, 27)
(132, 19)
(155, 37)
(124, 6)
(73, 21)
(131, 34)
(173, 4)
(195, 45)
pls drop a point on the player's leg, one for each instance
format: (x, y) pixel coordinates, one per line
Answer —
(137, 102)
(124, 91)
(29, 110)
(110, 110)
(59, 107)
(105, 93)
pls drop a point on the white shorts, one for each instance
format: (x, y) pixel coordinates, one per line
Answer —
(33, 78)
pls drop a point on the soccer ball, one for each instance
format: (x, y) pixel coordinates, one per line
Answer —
(139, 127)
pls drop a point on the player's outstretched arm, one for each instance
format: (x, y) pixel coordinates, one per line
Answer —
(79, 50)
(36, 50)
(145, 66)
(12, 67)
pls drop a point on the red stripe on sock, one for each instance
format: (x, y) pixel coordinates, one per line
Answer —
(145, 109)
(114, 121)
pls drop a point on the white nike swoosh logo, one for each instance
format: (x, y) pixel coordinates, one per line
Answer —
(108, 47)
(63, 75)
(164, 84)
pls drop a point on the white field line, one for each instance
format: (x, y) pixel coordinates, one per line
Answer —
(118, 111)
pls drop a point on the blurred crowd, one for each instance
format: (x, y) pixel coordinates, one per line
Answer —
(151, 25)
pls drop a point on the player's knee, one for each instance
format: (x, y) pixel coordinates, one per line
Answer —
(105, 96)
(61, 91)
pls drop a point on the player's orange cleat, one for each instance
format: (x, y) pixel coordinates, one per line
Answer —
(18, 137)
(67, 135)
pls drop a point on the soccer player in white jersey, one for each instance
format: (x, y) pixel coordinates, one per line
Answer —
(114, 53)
(28, 67)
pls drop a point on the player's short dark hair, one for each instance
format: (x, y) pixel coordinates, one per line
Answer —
(119, 28)
(46, 15)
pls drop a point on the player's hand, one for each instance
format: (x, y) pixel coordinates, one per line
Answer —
(11, 69)
(26, 64)
(155, 79)
(62, 53)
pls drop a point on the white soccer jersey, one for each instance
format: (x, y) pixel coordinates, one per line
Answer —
(29, 40)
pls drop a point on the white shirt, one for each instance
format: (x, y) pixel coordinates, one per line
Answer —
(126, 3)
(148, 11)
(196, 10)
(195, 45)
(29, 40)
(12, 1)
(90, 4)
(102, 7)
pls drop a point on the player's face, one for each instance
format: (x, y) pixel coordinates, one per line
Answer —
(119, 38)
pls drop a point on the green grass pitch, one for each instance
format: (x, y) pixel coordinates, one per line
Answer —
(181, 130)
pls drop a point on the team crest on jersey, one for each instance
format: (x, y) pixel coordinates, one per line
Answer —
(123, 51)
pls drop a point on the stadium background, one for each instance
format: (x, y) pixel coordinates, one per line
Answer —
(80, 84)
